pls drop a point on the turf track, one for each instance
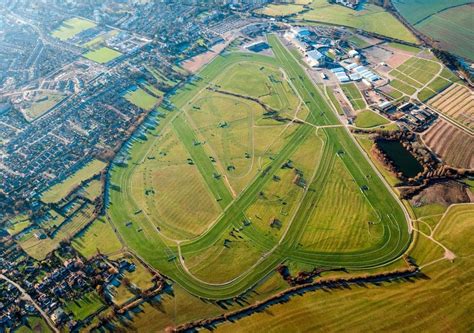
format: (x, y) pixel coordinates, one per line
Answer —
(165, 255)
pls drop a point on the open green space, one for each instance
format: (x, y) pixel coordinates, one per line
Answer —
(141, 98)
(62, 189)
(371, 18)
(99, 237)
(368, 119)
(434, 300)
(354, 96)
(285, 182)
(102, 55)
(448, 22)
(42, 103)
(71, 27)
(85, 306)
(17, 224)
(38, 244)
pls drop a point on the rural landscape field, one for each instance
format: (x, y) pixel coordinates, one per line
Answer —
(298, 166)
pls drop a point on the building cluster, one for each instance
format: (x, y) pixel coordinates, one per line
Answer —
(53, 283)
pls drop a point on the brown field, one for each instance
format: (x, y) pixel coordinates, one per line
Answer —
(456, 102)
(194, 64)
(451, 144)
(397, 59)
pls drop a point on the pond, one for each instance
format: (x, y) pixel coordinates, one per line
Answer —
(405, 162)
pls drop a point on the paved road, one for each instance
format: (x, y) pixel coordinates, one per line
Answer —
(26, 297)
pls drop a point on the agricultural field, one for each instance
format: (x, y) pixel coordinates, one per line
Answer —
(354, 96)
(433, 299)
(456, 102)
(61, 190)
(420, 77)
(368, 119)
(72, 27)
(233, 148)
(451, 144)
(371, 18)
(449, 22)
(102, 55)
(141, 98)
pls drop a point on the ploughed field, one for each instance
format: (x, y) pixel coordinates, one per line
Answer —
(250, 168)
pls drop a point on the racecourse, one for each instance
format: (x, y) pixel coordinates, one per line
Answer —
(376, 232)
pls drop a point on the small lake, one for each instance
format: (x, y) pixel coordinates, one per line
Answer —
(402, 158)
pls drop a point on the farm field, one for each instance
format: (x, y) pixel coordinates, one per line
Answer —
(354, 96)
(449, 22)
(102, 55)
(453, 28)
(60, 190)
(72, 27)
(452, 144)
(141, 98)
(434, 299)
(371, 18)
(456, 102)
(211, 131)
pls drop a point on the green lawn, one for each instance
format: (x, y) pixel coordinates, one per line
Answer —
(60, 190)
(85, 306)
(99, 237)
(18, 224)
(71, 27)
(102, 55)
(368, 118)
(354, 96)
(141, 99)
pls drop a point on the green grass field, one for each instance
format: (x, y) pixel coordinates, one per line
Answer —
(85, 306)
(433, 301)
(354, 96)
(445, 21)
(372, 18)
(99, 237)
(42, 104)
(281, 10)
(60, 190)
(368, 119)
(102, 55)
(72, 27)
(235, 232)
(39, 248)
(141, 98)
(17, 224)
